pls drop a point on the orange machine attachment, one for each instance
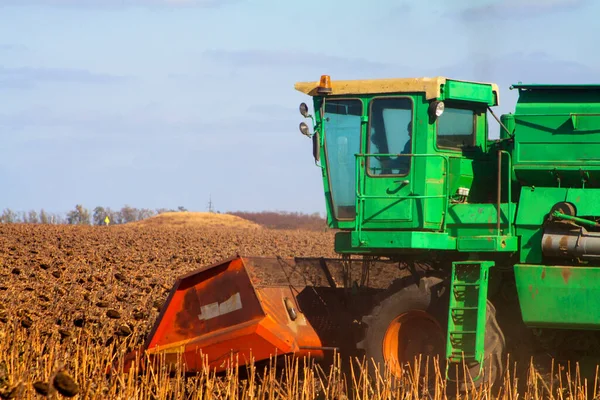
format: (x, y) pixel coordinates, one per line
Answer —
(245, 307)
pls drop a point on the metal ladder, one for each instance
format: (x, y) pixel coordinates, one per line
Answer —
(467, 313)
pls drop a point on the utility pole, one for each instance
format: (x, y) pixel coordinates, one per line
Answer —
(210, 205)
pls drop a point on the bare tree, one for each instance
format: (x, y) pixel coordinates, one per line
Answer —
(8, 216)
(79, 216)
(32, 217)
(44, 217)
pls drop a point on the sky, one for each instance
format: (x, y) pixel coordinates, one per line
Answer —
(167, 103)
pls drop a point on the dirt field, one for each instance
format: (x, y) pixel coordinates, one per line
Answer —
(75, 299)
(68, 289)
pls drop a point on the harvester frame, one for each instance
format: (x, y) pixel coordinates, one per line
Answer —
(443, 234)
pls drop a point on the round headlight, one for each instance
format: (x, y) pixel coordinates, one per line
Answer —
(438, 108)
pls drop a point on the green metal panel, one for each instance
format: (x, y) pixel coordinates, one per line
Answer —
(586, 201)
(487, 243)
(549, 151)
(467, 311)
(374, 241)
(469, 91)
(559, 296)
(536, 202)
(557, 135)
(466, 219)
(396, 240)
(585, 122)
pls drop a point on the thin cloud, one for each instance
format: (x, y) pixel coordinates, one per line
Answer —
(120, 3)
(536, 67)
(147, 122)
(519, 9)
(300, 60)
(28, 77)
(8, 47)
(270, 110)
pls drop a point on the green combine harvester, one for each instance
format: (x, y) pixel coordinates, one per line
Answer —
(452, 244)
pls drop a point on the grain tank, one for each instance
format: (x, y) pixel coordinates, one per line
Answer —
(451, 244)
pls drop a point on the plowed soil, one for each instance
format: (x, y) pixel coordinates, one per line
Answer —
(93, 286)
(63, 273)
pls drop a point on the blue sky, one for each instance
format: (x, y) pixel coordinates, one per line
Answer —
(161, 103)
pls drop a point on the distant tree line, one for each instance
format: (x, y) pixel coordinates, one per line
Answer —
(81, 215)
(285, 220)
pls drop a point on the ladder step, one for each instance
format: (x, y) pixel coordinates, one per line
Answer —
(467, 311)
(466, 355)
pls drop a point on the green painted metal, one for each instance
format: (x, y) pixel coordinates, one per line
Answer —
(559, 296)
(557, 135)
(469, 91)
(467, 312)
(376, 242)
(585, 122)
(466, 196)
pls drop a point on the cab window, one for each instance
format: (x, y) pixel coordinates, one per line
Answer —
(455, 128)
(342, 122)
(390, 134)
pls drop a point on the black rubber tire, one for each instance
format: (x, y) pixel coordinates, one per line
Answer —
(430, 294)
(426, 295)
(493, 361)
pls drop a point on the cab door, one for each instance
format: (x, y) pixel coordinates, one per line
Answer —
(386, 181)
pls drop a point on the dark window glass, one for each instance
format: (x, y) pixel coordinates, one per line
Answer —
(456, 128)
(390, 132)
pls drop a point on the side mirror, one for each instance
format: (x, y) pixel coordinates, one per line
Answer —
(316, 147)
(304, 129)
(304, 110)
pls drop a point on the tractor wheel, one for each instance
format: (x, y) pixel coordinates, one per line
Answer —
(411, 322)
(493, 365)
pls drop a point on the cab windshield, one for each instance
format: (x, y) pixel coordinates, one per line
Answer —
(342, 125)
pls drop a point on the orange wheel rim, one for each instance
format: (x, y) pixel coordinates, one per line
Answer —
(409, 336)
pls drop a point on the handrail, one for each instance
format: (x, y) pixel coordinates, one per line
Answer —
(360, 182)
(499, 193)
